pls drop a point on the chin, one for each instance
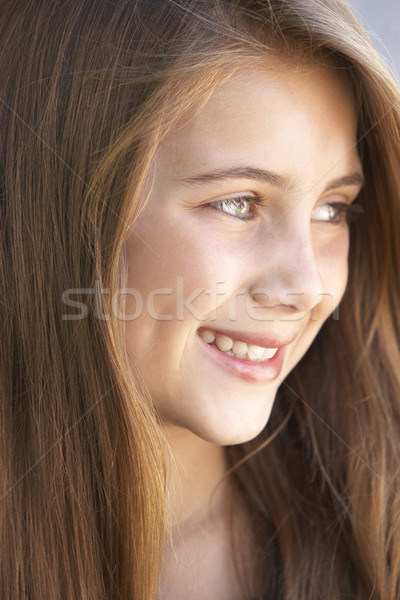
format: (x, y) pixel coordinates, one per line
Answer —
(231, 432)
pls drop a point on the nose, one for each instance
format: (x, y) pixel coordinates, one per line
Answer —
(288, 270)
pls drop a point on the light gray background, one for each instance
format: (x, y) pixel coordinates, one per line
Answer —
(382, 20)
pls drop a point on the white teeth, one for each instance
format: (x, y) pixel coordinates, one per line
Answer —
(269, 353)
(240, 348)
(224, 343)
(237, 348)
(207, 336)
(256, 352)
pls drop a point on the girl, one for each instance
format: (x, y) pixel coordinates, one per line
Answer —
(199, 349)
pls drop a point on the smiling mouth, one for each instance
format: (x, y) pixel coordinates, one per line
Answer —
(237, 348)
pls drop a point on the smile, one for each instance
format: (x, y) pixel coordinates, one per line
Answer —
(237, 348)
(253, 357)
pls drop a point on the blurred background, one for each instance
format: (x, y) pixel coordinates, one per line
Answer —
(382, 20)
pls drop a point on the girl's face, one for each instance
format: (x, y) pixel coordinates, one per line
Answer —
(243, 242)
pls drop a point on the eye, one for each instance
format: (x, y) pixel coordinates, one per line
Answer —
(333, 212)
(239, 207)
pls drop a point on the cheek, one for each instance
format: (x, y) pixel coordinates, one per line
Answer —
(182, 282)
(333, 268)
(181, 272)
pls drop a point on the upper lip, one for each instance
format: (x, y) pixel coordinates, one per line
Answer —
(265, 340)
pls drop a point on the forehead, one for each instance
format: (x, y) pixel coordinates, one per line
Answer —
(286, 117)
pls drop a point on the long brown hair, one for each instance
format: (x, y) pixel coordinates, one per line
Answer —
(89, 88)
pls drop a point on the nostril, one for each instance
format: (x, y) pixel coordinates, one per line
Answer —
(263, 296)
(301, 299)
(295, 299)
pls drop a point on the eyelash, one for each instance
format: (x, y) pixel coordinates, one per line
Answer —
(253, 200)
(347, 213)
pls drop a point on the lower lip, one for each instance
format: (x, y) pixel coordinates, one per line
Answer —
(247, 369)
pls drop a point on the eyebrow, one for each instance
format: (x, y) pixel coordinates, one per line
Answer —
(352, 179)
(274, 179)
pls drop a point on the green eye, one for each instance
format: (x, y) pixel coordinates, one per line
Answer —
(330, 213)
(236, 207)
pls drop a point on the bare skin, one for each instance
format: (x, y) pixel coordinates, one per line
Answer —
(198, 561)
(286, 145)
(274, 228)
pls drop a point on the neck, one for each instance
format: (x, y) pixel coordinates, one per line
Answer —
(196, 485)
(199, 562)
